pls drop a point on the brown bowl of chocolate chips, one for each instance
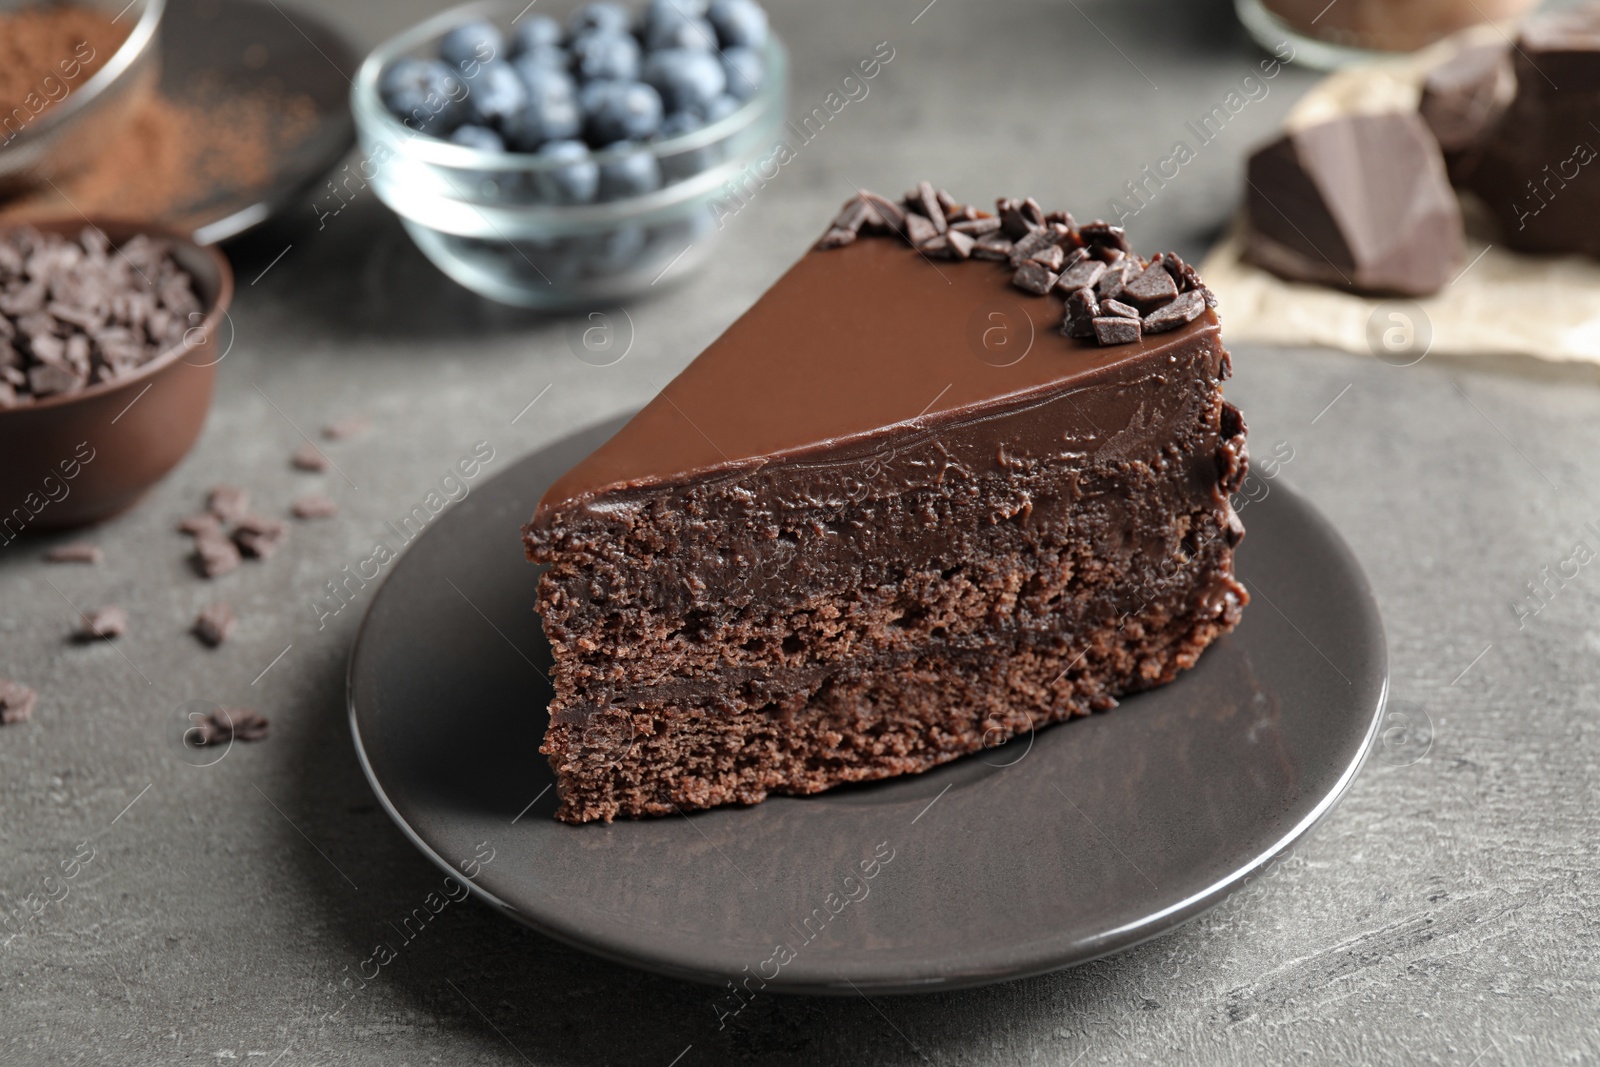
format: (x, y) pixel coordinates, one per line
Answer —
(110, 335)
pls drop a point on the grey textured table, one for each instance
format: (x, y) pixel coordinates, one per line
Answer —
(1444, 914)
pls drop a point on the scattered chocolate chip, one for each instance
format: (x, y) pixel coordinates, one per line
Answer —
(214, 553)
(314, 506)
(834, 238)
(228, 502)
(1081, 274)
(106, 622)
(1116, 330)
(992, 246)
(927, 202)
(1049, 258)
(1117, 307)
(76, 552)
(1150, 289)
(1033, 278)
(1103, 233)
(976, 227)
(1185, 309)
(308, 457)
(1082, 310)
(229, 724)
(259, 536)
(203, 523)
(16, 702)
(215, 623)
(919, 230)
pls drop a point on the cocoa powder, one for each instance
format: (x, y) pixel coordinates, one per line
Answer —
(46, 52)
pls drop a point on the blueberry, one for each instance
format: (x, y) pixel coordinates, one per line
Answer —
(424, 94)
(719, 108)
(576, 181)
(551, 116)
(543, 80)
(633, 175)
(739, 23)
(614, 252)
(619, 111)
(745, 70)
(475, 42)
(497, 93)
(480, 137)
(680, 32)
(685, 78)
(606, 55)
(659, 11)
(549, 56)
(536, 31)
(685, 164)
(600, 15)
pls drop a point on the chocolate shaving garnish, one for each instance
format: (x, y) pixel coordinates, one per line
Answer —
(1185, 309)
(919, 229)
(16, 702)
(976, 227)
(1033, 278)
(1104, 233)
(1082, 310)
(109, 622)
(992, 246)
(77, 552)
(215, 623)
(1117, 307)
(1081, 274)
(1116, 330)
(1152, 288)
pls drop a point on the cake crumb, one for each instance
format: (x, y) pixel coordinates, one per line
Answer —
(16, 702)
(76, 552)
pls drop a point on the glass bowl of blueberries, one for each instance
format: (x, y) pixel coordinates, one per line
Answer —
(556, 165)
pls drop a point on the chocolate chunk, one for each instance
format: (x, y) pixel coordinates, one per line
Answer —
(1061, 218)
(1186, 277)
(48, 379)
(1013, 223)
(992, 246)
(919, 230)
(888, 216)
(947, 203)
(1360, 202)
(314, 506)
(1032, 213)
(1081, 274)
(1111, 282)
(1149, 289)
(203, 523)
(229, 724)
(960, 244)
(1104, 234)
(927, 201)
(1181, 311)
(1082, 310)
(215, 554)
(1464, 96)
(1117, 307)
(1049, 257)
(851, 218)
(1033, 278)
(215, 623)
(108, 622)
(1034, 242)
(836, 238)
(16, 702)
(259, 536)
(308, 457)
(76, 552)
(976, 227)
(1116, 330)
(227, 502)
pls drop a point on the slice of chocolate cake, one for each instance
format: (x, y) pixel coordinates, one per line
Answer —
(954, 477)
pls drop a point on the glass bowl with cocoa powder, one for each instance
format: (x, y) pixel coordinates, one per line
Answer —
(70, 73)
(514, 224)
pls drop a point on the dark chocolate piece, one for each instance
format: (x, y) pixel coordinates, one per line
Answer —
(1105, 235)
(1180, 312)
(796, 635)
(259, 536)
(919, 230)
(1049, 257)
(16, 702)
(993, 246)
(108, 623)
(1150, 289)
(308, 457)
(1360, 202)
(1463, 98)
(214, 553)
(1118, 308)
(976, 227)
(203, 523)
(887, 217)
(834, 238)
(1033, 278)
(229, 724)
(228, 503)
(314, 506)
(1109, 287)
(215, 623)
(1082, 310)
(927, 201)
(1082, 274)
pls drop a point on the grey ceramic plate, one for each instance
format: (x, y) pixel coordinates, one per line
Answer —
(1048, 851)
